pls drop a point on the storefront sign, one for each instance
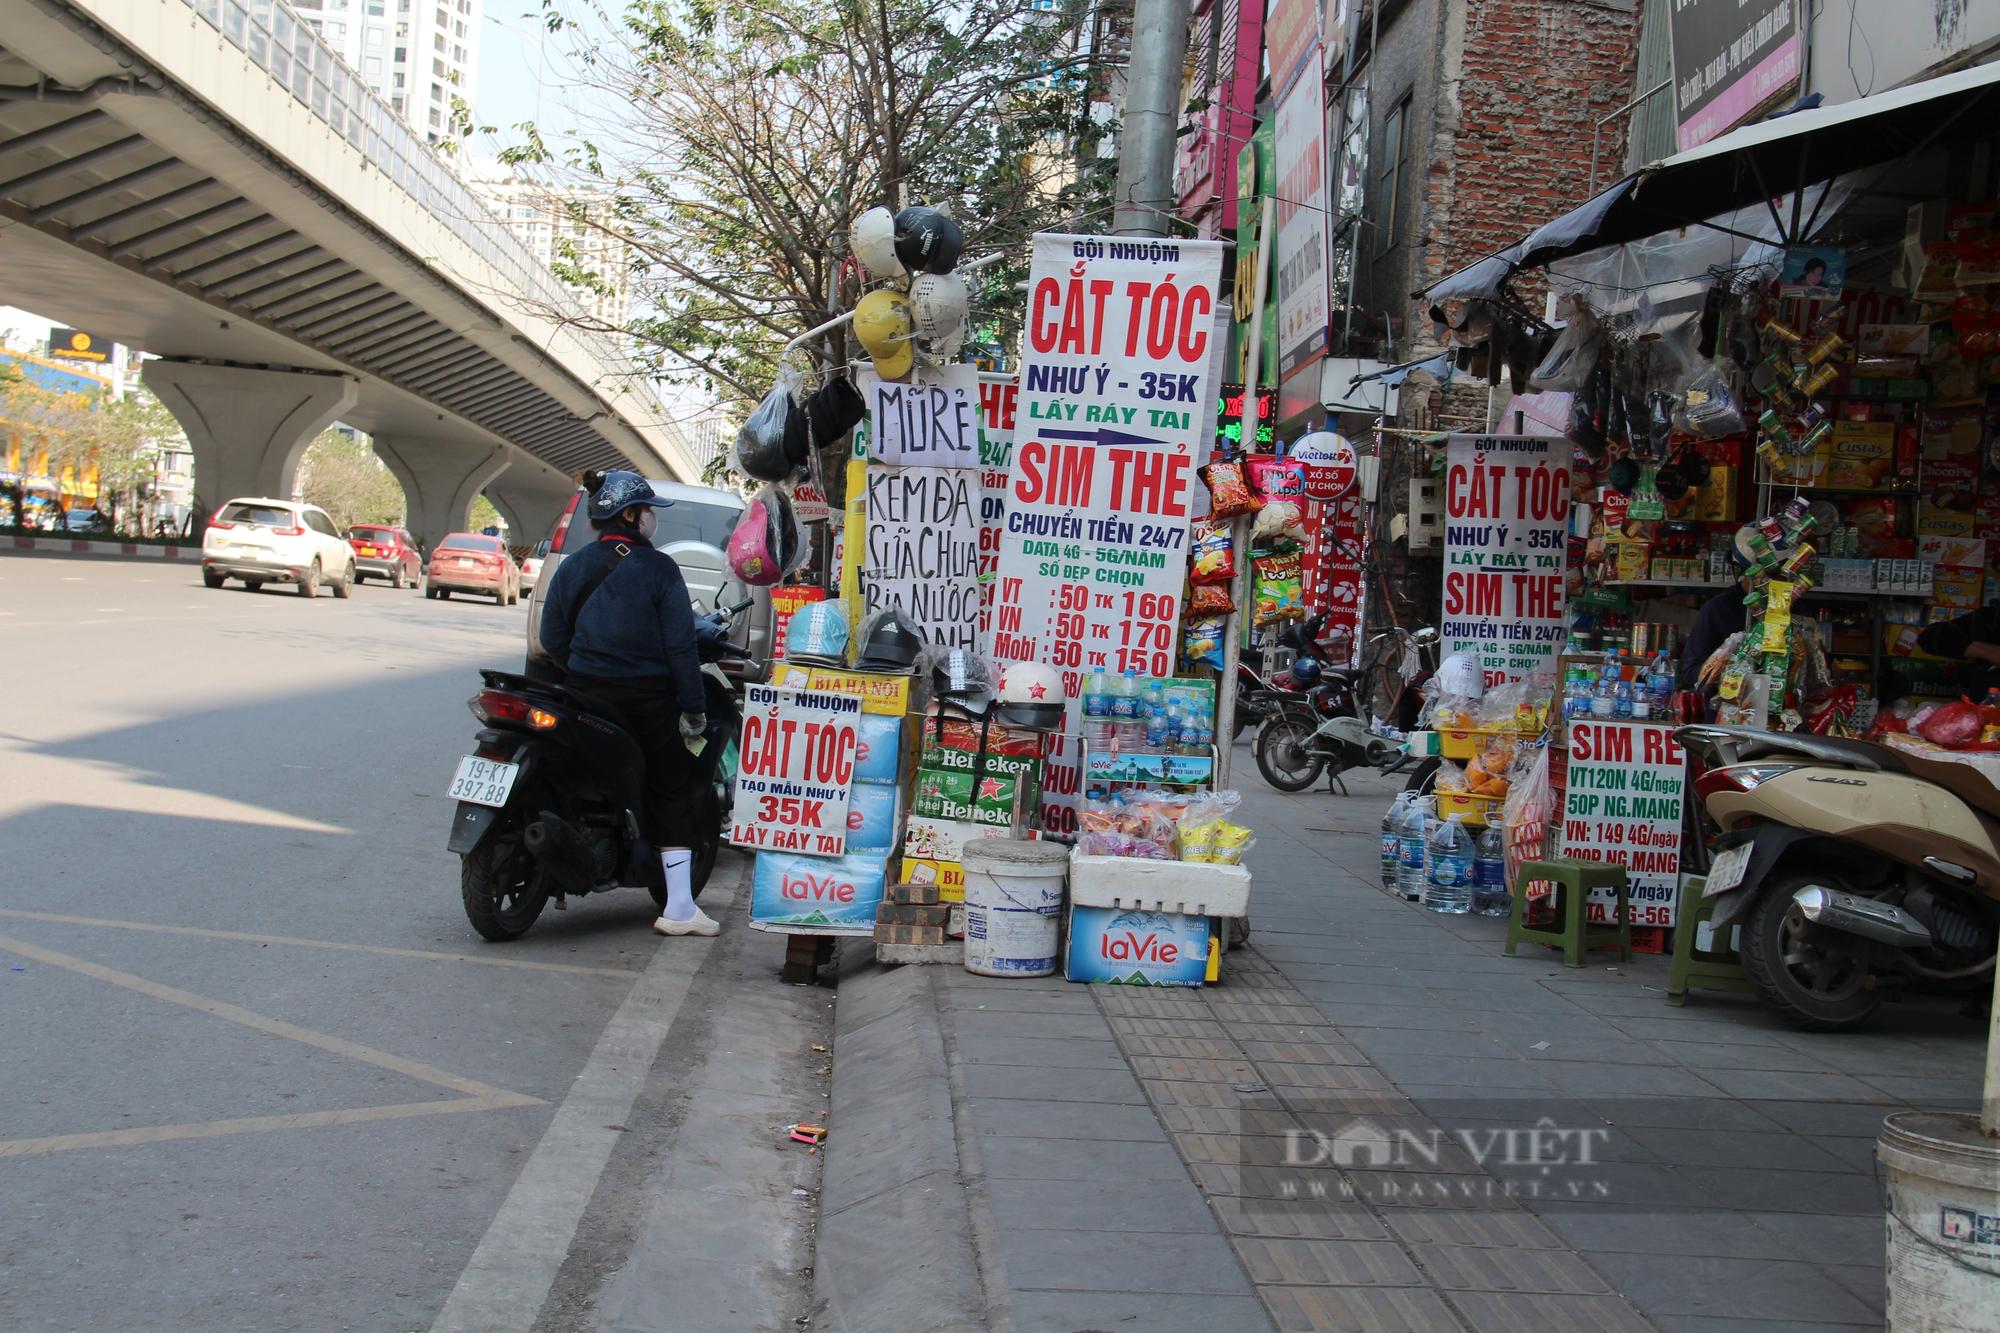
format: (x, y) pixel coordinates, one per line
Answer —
(932, 420)
(1301, 257)
(76, 345)
(1291, 36)
(1115, 398)
(796, 768)
(809, 503)
(1330, 574)
(997, 405)
(1626, 782)
(922, 549)
(1327, 462)
(1730, 57)
(1506, 500)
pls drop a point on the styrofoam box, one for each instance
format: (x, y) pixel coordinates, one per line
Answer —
(1137, 884)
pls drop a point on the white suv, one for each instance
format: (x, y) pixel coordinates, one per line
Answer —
(276, 541)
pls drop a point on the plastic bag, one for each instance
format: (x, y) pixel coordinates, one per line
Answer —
(1279, 518)
(1119, 828)
(1229, 493)
(1202, 643)
(1450, 776)
(1214, 552)
(1207, 833)
(1278, 591)
(1955, 726)
(1570, 362)
(1210, 599)
(1524, 815)
(760, 449)
(1709, 408)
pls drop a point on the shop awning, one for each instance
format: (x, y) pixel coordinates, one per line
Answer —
(1757, 164)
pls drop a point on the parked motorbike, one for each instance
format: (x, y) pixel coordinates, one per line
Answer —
(1853, 869)
(549, 801)
(1320, 729)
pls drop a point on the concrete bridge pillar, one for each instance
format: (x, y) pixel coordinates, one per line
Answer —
(441, 478)
(247, 427)
(531, 495)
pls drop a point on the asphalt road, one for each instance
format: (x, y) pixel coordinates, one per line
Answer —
(260, 1073)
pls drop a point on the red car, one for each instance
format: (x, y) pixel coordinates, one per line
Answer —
(472, 562)
(385, 553)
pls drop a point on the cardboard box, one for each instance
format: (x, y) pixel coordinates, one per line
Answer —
(947, 877)
(1958, 589)
(881, 749)
(832, 895)
(1135, 883)
(928, 839)
(874, 818)
(1631, 560)
(881, 694)
(1136, 948)
(1863, 455)
(1103, 766)
(989, 799)
(1716, 502)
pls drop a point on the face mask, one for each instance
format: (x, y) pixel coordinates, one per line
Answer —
(649, 523)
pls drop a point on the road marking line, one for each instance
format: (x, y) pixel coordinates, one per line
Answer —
(626, 972)
(509, 1276)
(354, 1050)
(263, 1124)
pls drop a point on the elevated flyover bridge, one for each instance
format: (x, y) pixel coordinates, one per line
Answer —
(205, 180)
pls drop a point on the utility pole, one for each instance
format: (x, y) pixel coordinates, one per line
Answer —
(1145, 196)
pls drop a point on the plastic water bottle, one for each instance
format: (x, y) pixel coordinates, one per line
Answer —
(1410, 867)
(1125, 697)
(1603, 702)
(1097, 696)
(1392, 838)
(1621, 700)
(1662, 685)
(1489, 863)
(1448, 880)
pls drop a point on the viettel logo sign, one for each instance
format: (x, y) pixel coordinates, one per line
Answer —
(1131, 947)
(805, 887)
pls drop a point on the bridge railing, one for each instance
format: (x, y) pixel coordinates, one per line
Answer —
(300, 61)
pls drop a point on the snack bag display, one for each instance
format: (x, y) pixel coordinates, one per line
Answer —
(1278, 589)
(1201, 644)
(1280, 518)
(1214, 554)
(1206, 833)
(1276, 478)
(1210, 600)
(1229, 491)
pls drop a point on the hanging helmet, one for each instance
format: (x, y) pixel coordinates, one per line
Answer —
(888, 642)
(1623, 476)
(817, 635)
(1031, 695)
(874, 242)
(753, 555)
(835, 410)
(619, 491)
(937, 308)
(927, 241)
(882, 322)
(959, 678)
(1305, 672)
(788, 535)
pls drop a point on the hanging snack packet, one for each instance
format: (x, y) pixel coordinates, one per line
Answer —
(1202, 643)
(1279, 518)
(1276, 478)
(1214, 552)
(1228, 490)
(1210, 600)
(1278, 592)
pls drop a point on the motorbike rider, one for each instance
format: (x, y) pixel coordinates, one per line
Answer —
(617, 618)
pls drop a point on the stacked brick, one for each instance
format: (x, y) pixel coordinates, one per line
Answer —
(911, 914)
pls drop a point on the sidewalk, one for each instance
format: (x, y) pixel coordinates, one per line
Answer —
(1378, 1122)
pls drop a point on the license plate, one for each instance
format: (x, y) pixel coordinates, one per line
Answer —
(483, 781)
(463, 562)
(1727, 872)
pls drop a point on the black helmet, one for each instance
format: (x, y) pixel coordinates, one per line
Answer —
(888, 642)
(959, 677)
(927, 241)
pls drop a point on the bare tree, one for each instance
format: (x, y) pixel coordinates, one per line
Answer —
(749, 136)
(342, 475)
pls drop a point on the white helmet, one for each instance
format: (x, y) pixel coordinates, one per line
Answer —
(1031, 695)
(938, 308)
(874, 243)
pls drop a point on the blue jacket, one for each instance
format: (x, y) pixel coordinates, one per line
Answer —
(638, 623)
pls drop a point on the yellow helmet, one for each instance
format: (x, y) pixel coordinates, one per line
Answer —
(882, 322)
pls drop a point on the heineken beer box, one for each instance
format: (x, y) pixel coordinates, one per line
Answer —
(949, 876)
(817, 895)
(976, 799)
(967, 761)
(1130, 948)
(938, 839)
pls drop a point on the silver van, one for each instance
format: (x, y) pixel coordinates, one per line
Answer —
(695, 532)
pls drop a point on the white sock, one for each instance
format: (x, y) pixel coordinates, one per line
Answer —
(680, 896)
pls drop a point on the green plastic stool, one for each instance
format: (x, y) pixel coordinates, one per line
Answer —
(1571, 932)
(1717, 967)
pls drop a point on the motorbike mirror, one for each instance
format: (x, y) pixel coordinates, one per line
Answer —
(1426, 636)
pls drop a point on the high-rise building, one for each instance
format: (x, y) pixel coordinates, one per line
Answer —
(544, 217)
(418, 54)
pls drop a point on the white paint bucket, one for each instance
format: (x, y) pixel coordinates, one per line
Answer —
(1013, 906)
(1944, 1223)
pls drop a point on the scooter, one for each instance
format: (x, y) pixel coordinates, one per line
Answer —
(549, 801)
(1854, 870)
(1318, 729)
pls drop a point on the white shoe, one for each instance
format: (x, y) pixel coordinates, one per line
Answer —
(698, 924)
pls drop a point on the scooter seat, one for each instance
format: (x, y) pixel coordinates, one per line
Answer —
(604, 708)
